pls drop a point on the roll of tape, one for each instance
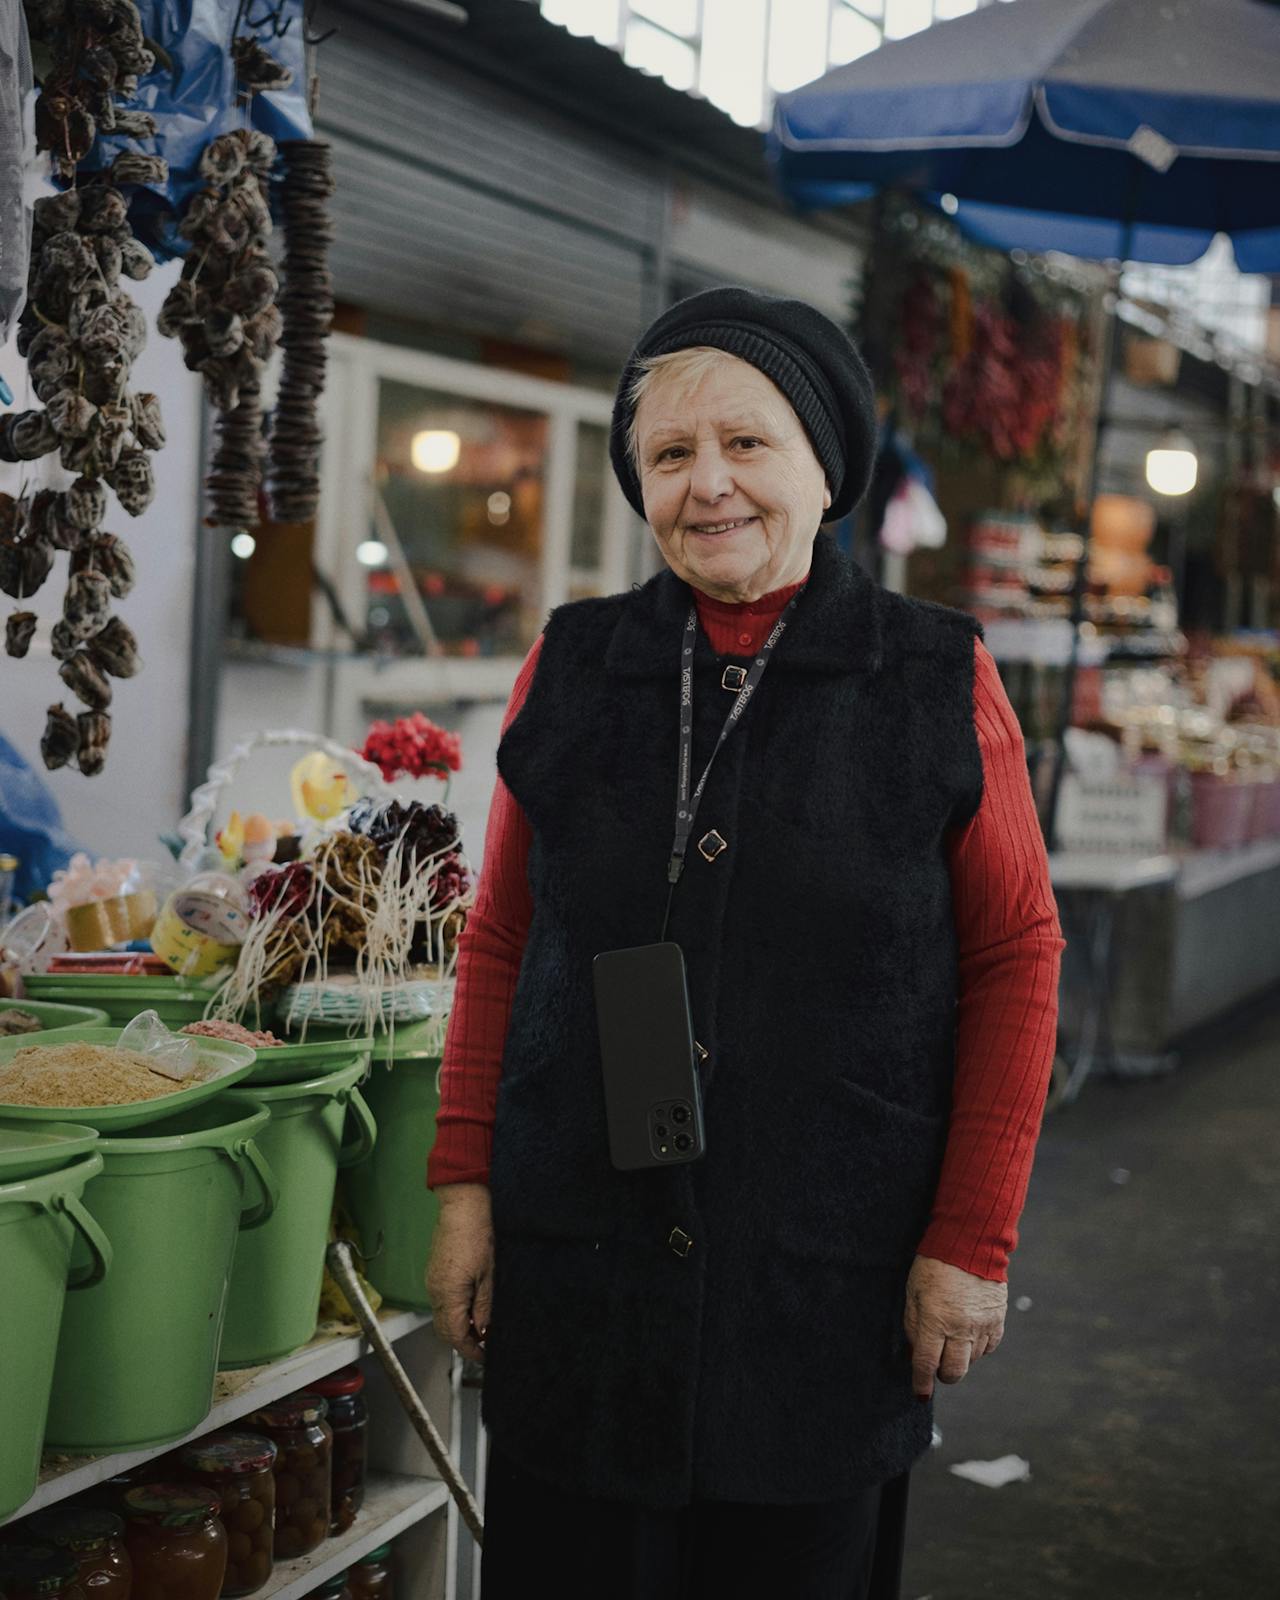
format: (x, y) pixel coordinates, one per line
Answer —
(141, 908)
(90, 927)
(198, 932)
(116, 908)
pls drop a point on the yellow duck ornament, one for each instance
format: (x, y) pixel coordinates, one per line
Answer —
(320, 789)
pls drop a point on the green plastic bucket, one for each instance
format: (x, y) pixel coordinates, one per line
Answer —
(54, 1017)
(139, 1352)
(387, 1196)
(279, 1269)
(40, 1218)
(122, 997)
(412, 1041)
(287, 1063)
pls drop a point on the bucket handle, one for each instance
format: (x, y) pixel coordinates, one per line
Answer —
(255, 1216)
(366, 1134)
(99, 1245)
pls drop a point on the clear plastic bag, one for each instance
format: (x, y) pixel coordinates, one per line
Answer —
(172, 1055)
(15, 210)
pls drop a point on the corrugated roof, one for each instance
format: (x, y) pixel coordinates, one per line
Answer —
(513, 41)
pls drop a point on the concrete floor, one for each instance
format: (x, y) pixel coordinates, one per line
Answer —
(1141, 1381)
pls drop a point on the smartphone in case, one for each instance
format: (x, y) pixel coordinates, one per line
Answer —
(653, 1097)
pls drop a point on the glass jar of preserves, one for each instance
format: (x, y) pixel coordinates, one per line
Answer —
(177, 1544)
(38, 1572)
(349, 1419)
(238, 1467)
(96, 1539)
(370, 1579)
(304, 1457)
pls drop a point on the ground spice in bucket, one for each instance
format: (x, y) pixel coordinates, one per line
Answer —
(80, 1074)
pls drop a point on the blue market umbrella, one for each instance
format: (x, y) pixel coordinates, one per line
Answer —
(1134, 129)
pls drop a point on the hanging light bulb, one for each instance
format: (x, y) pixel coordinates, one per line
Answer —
(1172, 466)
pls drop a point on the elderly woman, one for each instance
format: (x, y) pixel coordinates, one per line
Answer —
(712, 1376)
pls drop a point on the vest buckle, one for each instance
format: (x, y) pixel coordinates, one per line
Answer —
(711, 844)
(680, 1241)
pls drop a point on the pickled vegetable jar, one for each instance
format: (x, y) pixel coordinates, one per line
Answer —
(371, 1579)
(238, 1467)
(96, 1539)
(303, 1466)
(178, 1546)
(349, 1419)
(38, 1572)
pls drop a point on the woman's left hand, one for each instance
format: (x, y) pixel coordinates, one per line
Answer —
(952, 1317)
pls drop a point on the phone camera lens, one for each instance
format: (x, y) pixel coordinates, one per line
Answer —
(683, 1141)
(661, 1130)
(679, 1113)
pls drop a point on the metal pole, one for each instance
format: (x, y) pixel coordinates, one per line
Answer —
(208, 622)
(1111, 346)
(341, 1262)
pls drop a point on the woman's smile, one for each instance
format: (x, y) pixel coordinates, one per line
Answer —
(711, 530)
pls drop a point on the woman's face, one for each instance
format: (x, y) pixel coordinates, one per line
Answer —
(731, 450)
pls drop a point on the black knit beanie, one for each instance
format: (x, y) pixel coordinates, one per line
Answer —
(810, 358)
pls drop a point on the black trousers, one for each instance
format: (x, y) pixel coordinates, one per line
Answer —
(579, 1548)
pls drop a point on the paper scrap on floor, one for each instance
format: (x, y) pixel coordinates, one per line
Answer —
(993, 1474)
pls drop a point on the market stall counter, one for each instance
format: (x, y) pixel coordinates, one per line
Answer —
(1158, 945)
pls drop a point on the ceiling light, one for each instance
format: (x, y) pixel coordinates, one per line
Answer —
(1172, 466)
(435, 450)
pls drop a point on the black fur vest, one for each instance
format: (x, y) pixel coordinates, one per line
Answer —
(768, 1363)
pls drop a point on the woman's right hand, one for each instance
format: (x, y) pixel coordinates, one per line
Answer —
(460, 1272)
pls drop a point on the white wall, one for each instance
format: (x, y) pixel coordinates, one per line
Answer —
(139, 793)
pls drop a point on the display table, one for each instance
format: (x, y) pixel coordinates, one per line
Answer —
(1089, 889)
(1158, 945)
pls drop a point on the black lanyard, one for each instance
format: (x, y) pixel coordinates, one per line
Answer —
(687, 807)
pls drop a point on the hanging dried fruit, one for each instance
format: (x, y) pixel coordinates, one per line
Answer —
(219, 310)
(95, 730)
(17, 632)
(61, 738)
(115, 649)
(307, 305)
(81, 332)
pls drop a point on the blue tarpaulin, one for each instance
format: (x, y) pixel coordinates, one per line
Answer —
(30, 824)
(197, 101)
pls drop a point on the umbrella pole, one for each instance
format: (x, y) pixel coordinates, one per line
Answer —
(1110, 363)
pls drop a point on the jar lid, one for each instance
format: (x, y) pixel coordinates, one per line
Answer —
(334, 1585)
(171, 1505)
(78, 1528)
(38, 1567)
(346, 1380)
(228, 1454)
(292, 1410)
(382, 1553)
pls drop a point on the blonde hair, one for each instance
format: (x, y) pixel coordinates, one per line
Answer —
(681, 370)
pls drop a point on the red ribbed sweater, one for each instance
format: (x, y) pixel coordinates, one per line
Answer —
(1009, 940)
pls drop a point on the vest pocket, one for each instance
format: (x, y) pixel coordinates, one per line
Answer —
(865, 1173)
